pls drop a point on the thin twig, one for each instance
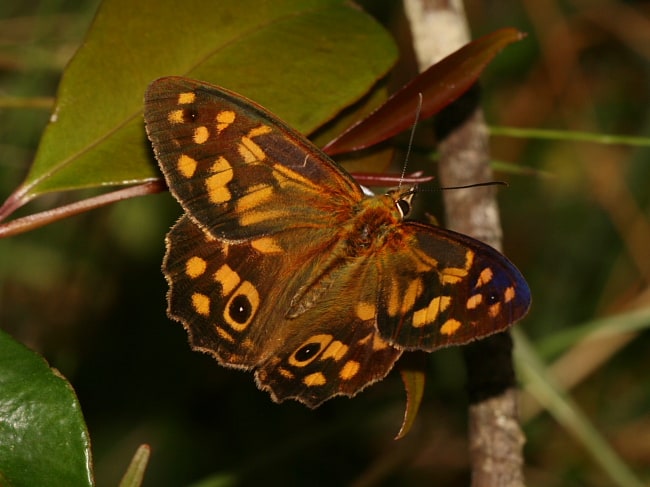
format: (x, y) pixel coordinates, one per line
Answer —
(37, 220)
(495, 437)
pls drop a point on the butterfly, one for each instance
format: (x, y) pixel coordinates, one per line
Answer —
(280, 264)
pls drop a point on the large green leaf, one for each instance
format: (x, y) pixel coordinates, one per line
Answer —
(304, 60)
(43, 437)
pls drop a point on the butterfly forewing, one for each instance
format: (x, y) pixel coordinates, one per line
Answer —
(227, 297)
(238, 171)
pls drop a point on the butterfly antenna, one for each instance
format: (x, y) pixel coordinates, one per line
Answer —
(418, 110)
(476, 185)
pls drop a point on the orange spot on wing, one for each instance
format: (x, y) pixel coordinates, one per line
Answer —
(494, 310)
(186, 98)
(428, 315)
(474, 301)
(366, 311)
(257, 131)
(335, 350)
(225, 335)
(450, 327)
(186, 165)
(349, 370)
(201, 135)
(195, 266)
(484, 277)
(224, 119)
(228, 279)
(176, 116)
(315, 379)
(410, 296)
(255, 197)
(201, 304)
(266, 245)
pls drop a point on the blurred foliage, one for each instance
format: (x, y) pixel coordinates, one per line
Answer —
(87, 293)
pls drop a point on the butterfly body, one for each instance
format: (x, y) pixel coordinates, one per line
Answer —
(282, 265)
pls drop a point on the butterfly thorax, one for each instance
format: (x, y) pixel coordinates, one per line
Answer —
(371, 228)
(376, 223)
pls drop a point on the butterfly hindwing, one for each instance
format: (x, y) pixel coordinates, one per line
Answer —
(223, 295)
(208, 294)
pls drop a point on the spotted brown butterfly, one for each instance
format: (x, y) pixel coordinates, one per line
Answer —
(282, 265)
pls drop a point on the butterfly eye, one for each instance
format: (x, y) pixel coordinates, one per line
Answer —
(240, 309)
(306, 352)
(404, 207)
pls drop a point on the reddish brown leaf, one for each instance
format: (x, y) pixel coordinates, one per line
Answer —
(441, 84)
(412, 369)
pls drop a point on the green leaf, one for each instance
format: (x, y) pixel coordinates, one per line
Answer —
(569, 135)
(43, 437)
(539, 383)
(304, 60)
(135, 473)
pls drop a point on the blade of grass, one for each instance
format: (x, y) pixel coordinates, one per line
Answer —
(566, 412)
(568, 135)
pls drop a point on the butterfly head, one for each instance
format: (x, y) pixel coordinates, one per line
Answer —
(402, 200)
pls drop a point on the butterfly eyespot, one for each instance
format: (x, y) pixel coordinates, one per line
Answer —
(492, 298)
(306, 352)
(315, 346)
(190, 114)
(240, 309)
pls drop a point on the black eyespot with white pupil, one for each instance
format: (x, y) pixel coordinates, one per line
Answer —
(190, 114)
(306, 352)
(240, 309)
